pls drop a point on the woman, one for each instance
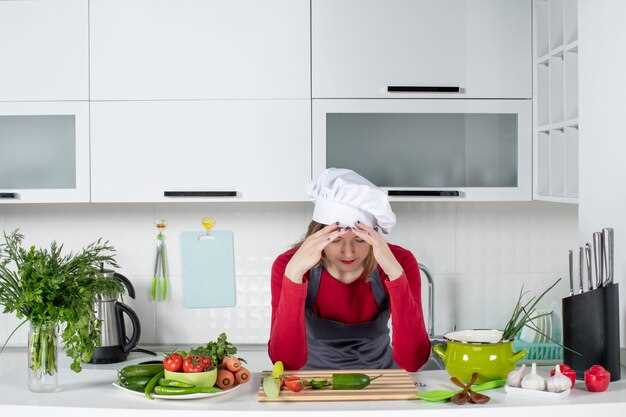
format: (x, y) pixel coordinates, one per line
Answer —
(334, 292)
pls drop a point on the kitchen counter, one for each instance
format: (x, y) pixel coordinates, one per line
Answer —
(91, 393)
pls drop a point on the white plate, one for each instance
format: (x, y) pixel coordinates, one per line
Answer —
(534, 394)
(180, 397)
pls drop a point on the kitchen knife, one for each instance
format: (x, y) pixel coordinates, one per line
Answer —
(581, 269)
(607, 239)
(571, 272)
(589, 273)
(597, 245)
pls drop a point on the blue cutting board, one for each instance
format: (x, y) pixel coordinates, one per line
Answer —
(208, 269)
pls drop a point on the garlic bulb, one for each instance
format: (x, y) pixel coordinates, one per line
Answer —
(558, 382)
(533, 380)
(514, 378)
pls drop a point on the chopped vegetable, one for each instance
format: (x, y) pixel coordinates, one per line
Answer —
(271, 387)
(294, 383)
(278, 369)
(319, 383)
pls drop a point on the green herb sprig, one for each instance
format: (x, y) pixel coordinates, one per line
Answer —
(45, 286)
(217, 349)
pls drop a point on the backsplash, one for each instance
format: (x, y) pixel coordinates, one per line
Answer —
(479, 253)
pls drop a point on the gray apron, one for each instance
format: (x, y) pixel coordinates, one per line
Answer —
(336, 345)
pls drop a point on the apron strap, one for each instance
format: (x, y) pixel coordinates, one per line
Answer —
(315, 275)
(314, 285)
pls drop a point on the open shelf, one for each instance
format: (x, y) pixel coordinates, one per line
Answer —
(570, 75)
(556, 23)
(571, 162)
(555, 98)
(556, 89)
(570, 20)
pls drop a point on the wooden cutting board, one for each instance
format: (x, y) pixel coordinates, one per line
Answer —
(394, 384)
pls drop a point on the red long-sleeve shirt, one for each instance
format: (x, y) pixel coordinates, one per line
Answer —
(348, 303)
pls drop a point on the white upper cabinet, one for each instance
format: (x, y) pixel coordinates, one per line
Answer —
(360, 48)
(44, 50)
(44, 152)
(214, 150)
(199, 49)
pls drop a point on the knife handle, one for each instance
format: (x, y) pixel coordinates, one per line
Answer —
(581, 268)
(571, 272)
(597, 257)
(589, 273)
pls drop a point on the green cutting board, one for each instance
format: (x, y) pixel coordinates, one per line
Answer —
(208, 269)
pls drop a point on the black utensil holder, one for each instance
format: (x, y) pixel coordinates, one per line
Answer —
(591, 328)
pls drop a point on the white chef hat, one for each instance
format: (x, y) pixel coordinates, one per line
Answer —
(342, 195)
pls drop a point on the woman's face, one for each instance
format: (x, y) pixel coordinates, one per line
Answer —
(347, 253)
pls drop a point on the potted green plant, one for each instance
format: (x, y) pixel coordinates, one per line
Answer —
(52, 292)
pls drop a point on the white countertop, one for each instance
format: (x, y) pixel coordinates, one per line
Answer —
(91, 393)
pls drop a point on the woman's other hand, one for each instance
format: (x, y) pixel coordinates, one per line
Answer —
(382, 252)
(310, 252)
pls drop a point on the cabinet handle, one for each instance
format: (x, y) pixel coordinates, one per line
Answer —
(424, 193)
(422, 89)
(9, 196)
(200, 193)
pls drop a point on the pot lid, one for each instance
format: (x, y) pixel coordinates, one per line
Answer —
(475, 336)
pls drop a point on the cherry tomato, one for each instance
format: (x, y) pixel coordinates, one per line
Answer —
(597, 378)
(173, 362)
(193, 363)
(207, 362)
(567, 371)
(293, 383)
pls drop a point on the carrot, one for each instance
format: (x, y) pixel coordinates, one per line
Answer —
(225, 379)
(232, 363)
(242, 376)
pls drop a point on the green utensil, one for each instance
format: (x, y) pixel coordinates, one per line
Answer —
(159, 286)
(444, 395)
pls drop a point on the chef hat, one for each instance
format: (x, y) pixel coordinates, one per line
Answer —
(342, 195)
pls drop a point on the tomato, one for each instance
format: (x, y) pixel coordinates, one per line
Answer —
(293, 383)
(206, 362)
(567, 371)
(597, 378)
(193, 363)
(173, 362)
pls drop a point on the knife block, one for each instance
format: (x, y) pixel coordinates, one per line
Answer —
(591, 328)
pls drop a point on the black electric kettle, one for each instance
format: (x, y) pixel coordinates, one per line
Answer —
(114, 344)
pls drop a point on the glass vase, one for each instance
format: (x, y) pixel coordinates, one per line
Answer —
(42, 357)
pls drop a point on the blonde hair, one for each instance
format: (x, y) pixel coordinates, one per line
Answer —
(369, 264)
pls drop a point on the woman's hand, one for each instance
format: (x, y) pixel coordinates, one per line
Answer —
(381, 250)
(310, 252)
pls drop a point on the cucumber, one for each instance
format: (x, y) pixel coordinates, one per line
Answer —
(141, 370)
(135, 383)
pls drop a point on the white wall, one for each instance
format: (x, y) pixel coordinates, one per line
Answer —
(480, 254)
(602, 96)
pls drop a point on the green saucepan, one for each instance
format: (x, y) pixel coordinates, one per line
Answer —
(482, 351)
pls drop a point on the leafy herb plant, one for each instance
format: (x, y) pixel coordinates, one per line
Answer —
(47, 288)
